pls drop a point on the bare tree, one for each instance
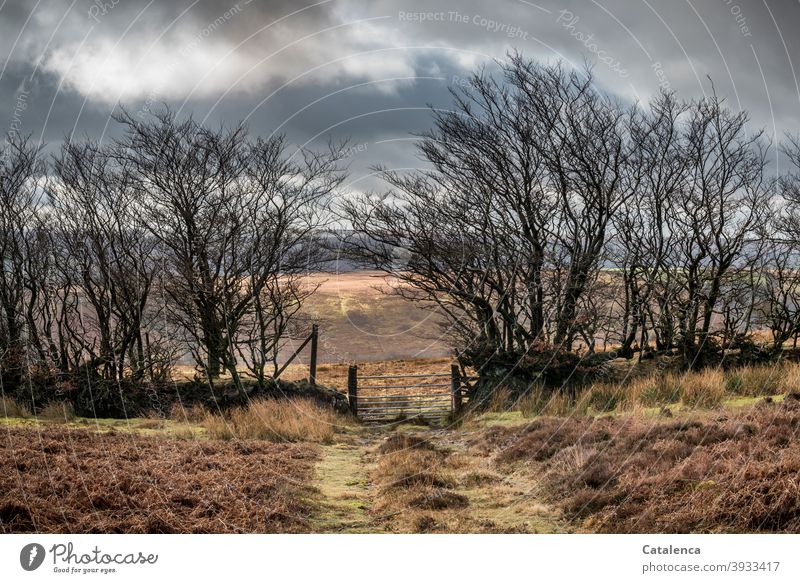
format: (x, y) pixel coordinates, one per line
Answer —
(581, 138)
(643, 230)
(507, 229)
(229, 215)
(109, 255)
(724, 201)
(22, 176)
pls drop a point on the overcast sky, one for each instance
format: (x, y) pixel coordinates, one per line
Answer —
(367, 70)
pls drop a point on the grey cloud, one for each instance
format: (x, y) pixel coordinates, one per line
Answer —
(320, 68)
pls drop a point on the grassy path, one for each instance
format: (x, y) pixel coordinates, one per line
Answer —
(497, 503)
(341, 477)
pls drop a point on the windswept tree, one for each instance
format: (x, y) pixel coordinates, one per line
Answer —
(778, 289)
(724, 201)
(506, 231)
(234, 221)
(580, 136)
(22, 177)
(643, 229)
(107, 255)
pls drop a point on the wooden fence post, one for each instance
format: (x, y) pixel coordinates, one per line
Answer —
(455, 388)
(312, 372)
(312, 376)
(352, 388)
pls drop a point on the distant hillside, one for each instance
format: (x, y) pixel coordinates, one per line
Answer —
(359, 322)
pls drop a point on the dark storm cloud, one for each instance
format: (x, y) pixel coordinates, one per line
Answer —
(367, 70)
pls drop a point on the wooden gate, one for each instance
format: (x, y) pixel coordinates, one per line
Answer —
(400, 396)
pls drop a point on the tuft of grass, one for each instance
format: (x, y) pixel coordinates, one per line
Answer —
(500, 400)
(653, 391)
(413, 468)
(704, 389)
(756, 381)
(58, 411)
(604, 398)
(790, 379)
(440, 500)
(276, 420)
(404, 441)
(533, 403)
(539, 401)
(192, 414)
(12, 408)
(185, 432)
(151, 423)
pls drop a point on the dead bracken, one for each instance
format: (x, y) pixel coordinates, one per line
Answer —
(75, 481)
(733, 473)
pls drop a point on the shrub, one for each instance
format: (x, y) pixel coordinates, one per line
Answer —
(119, 399)
(551, 366)
(276, 420)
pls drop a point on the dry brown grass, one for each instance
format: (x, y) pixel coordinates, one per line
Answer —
(276, 420)
(75, 481)
(414, 478)
(705, 389)
(413, 468)
(58, 411)
(538, 401)
(404, 441)
(12, 408)
(730, 473)
(755, 381)
(790, 380)
(194, 413)
(653, 390)
(499, 401)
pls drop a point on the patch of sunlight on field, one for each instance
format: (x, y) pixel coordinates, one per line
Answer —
(677, 410)
(496, 419)
(737, 402)
(140, 425)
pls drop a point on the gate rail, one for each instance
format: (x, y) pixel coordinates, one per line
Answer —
(387, 402)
